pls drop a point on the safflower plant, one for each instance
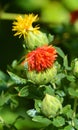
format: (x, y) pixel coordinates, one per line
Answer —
(40, 91)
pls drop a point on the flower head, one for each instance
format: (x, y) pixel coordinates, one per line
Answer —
(41, 59)
(23, 25)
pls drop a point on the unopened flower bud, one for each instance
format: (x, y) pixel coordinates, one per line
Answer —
(33, 37)
(40, 65)
(34, 40)
(50, 106)
(74, 66)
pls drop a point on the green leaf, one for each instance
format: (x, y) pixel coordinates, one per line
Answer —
(71, 78)
(4, 98)
(23, 92)
(49, 90)
(2, 83)
(1, 120)
(31, 112)
(67, 111)
(60, 52)
(14, 64)
(60, 93)
(59, 77)
(69, 127)
(17, 79)
(73, 92)
(50, 38)
(3, 76)
(75, 121)
(38, 105)
(14, 103)
(65, 63)
(42, 120)
(58, 121)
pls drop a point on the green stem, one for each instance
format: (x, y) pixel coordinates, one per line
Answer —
(8, 16)
(54, 86)
(12, 16)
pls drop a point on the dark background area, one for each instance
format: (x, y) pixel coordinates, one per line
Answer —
(10, 46)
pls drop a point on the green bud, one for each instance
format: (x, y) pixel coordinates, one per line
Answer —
(50, 106)
(74, 66)
(34, 40)
(42, 77)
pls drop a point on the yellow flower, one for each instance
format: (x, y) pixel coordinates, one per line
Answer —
(23, 25)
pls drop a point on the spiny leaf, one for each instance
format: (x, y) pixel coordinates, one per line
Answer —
(73, 92)
(60, 52)
(16, 78)
(42, 120)
(58, 121)
(23, 92)
(65, 63)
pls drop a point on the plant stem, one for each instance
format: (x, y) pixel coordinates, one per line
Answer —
(8, 16)
(54, 86)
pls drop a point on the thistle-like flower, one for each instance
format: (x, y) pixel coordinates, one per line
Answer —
(41, 59)
(23, 25)
(40, 65)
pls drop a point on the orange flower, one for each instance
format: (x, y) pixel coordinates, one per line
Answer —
(41, 58)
